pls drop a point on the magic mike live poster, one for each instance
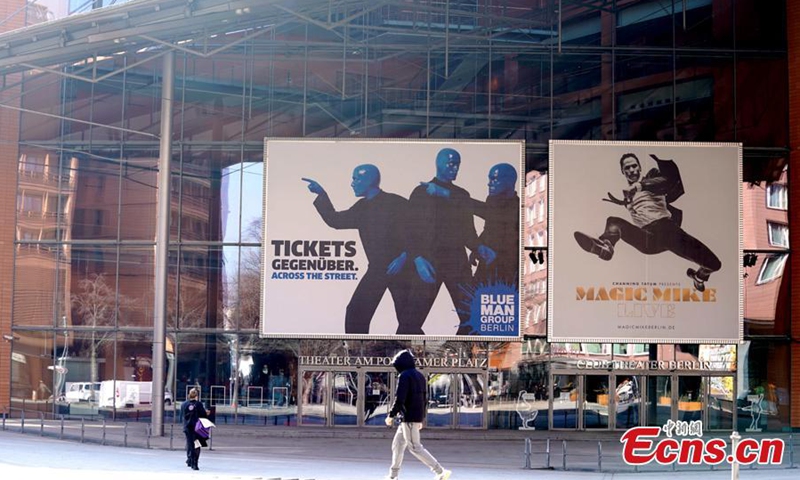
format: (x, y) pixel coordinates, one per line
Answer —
(379, 238)
(645, 242)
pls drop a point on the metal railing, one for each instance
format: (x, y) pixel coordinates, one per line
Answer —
(606, 455)
(98, 430)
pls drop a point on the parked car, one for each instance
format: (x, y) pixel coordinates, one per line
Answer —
(82, 392)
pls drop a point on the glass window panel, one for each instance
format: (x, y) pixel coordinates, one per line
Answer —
(628, 401)
(252, 205)
(31, 355)
(595, 401)
(771, 269)
(137, 191)
(778, 234)
(760, 25)
(645, 97)
(247, 289)
(763, 383)
(720, 403)
(777, 197)
(201, 290)
(659, 399)
(565, 401)
(704, 24)
(647, 23)
(135, 297)
(42, 93)
(42, 273)
(377, 397)
(201, 196)
(576, 114)
(704, 98)
(761, 113)
(691, 396)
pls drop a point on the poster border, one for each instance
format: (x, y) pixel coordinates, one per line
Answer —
(521, 176)
(551, 338)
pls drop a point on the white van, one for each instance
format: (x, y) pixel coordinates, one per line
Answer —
(82, 392)
(123, 393)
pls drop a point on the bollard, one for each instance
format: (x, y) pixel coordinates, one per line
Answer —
(791, 450)
(22, 419)
(210, 439)
(83, 428)
(527, 454)
(103, 442)
(564, 454)
(147, 431)
(125, 435)
(735, 437)
(41, 424)
(171, 430)
(599, 456)
(61, 431)
(548, 454)
(4, 421)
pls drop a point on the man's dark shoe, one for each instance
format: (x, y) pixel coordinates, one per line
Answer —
(697, 278)
(600, 247)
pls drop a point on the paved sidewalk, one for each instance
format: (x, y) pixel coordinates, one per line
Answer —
(248, 457)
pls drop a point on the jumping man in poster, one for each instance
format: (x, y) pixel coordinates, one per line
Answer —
(656, 223)
(378, 216)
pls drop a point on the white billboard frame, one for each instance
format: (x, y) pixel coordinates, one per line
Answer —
(518, 161)
(556, 240)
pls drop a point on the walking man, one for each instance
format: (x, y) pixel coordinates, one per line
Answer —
(410, 403)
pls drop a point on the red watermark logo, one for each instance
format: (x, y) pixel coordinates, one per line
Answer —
(641, 445)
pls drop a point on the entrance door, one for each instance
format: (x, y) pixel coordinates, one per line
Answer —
(315, 393)
(346, 398)
(471, 403)
(627, 400)
(564, 402)
(691, 397)
(378, 395)
(456, 400)
(595, 403)
(720, 405)
(659, 400)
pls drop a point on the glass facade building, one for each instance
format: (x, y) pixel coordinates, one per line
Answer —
(81, 282)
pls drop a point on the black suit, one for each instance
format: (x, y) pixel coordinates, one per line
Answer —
(380, 225)
(501, 234)
(443, 228)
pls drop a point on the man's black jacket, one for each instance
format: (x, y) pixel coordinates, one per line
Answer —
(412, 392)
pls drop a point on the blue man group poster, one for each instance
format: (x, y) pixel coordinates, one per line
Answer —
(381, 238)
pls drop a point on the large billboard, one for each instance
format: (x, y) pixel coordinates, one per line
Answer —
(645, 242)
(392, 239)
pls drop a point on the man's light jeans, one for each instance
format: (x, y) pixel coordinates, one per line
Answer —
(408, 436)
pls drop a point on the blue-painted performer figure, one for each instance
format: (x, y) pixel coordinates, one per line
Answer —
(500, 234)
(497, 255)
(442, 230)
(378, 217)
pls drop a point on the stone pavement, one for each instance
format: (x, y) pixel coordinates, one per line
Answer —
(248, 452)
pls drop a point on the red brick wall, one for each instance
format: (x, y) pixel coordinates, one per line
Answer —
(9, 136)
(793, 33)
